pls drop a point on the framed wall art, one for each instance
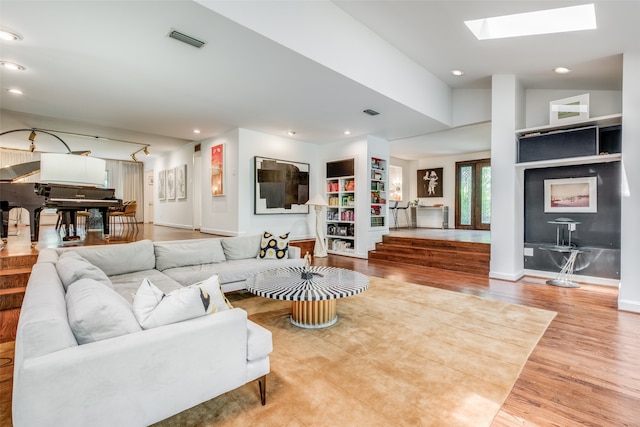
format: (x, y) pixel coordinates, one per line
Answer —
(171, 184)
(569, 110)
(217, 170)
(281, 186)
(429, 182)
(162, 176)
(181, 182)
(571, 195)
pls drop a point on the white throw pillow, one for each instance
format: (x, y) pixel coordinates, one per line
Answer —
(97, 312)
(274, 247)
(154, 308)
(72, 267)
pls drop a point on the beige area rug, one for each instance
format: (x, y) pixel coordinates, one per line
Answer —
(400, 355)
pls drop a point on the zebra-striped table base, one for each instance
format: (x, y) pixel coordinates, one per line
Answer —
(314, 299)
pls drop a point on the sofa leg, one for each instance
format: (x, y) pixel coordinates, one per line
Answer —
(262, 384)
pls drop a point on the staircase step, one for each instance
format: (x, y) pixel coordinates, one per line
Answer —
(438, 244)
(14, 278)
(452, 255)
(11, 298)
(17, 261)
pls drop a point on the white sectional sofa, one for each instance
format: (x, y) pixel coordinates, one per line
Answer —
(133, 376)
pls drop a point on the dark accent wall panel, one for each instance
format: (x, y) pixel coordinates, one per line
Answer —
(601, 229)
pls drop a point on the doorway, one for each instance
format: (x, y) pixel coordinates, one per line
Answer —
(473, 194)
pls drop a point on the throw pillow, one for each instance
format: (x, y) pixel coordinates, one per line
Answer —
(154, 308)
(72, 267)
(97, 312)
(274, 247)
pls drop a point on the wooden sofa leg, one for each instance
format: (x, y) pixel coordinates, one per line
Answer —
(262, 384)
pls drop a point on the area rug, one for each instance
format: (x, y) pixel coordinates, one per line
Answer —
(400, 354)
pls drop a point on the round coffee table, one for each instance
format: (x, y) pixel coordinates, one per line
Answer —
(314, 298)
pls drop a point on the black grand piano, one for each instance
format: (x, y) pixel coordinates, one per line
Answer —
(68, 199)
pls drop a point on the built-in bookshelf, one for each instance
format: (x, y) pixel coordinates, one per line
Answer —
(341, 209)
(378, 186)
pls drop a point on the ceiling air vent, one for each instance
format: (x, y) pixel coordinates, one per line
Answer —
(370, 112)
(186, 39)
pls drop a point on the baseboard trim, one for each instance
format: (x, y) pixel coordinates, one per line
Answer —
(181, 226)
(629, 305)
(591, 280)
(511, 277)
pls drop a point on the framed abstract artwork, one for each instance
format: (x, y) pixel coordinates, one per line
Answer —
(281, 186)
(217, 170)
(429, 182)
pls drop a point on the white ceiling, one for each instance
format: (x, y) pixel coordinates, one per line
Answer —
(108, 69)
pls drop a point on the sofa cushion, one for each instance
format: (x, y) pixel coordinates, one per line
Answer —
(97, 312)
(241, 247)
(127, 284)
(187, 252)
(43, 327)
(274, 247)
(154, 308)
(71, 267)
(121, 258)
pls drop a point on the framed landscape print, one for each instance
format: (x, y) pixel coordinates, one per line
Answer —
(181, 182)
(217, 170)
(571, 195)
(569, 110)
(281, 186)
(162, 195)
(171, 184)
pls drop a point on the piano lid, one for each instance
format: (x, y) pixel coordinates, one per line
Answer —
(19, 171)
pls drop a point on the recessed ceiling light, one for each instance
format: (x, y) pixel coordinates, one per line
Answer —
(564, 19)
(561, 70)
(11, 65)
(8, 35)
(291, 132)
(196, 131)
(457, 72)
(347, 132)
(15, 91)
(370, 112)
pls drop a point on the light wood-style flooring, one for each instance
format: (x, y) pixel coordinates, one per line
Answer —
(585, 370)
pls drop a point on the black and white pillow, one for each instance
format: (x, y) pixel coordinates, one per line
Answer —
(274, 247)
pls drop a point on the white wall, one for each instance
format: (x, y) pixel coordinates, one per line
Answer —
(174, 213)
(219, 214)
(471, 106)
(629, 294)
(233, 213)
(432, 218)
(507, 212)
(601, 103)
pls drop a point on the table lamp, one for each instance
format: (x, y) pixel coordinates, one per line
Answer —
(318, 202)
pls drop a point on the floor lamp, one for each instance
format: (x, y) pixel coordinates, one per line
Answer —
(320, 249)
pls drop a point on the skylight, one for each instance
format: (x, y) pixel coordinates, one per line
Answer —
(574, 18)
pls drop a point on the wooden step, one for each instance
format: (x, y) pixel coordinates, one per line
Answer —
(17, 261)
(11, 298)
(466, 257)
(14, 278)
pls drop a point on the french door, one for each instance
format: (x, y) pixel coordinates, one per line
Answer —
(473, 194)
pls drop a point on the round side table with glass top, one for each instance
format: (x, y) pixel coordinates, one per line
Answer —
(313, 290)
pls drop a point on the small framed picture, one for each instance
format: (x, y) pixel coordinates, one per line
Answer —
(569, 110)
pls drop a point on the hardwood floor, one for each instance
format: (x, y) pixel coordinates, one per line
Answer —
(584, 371)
